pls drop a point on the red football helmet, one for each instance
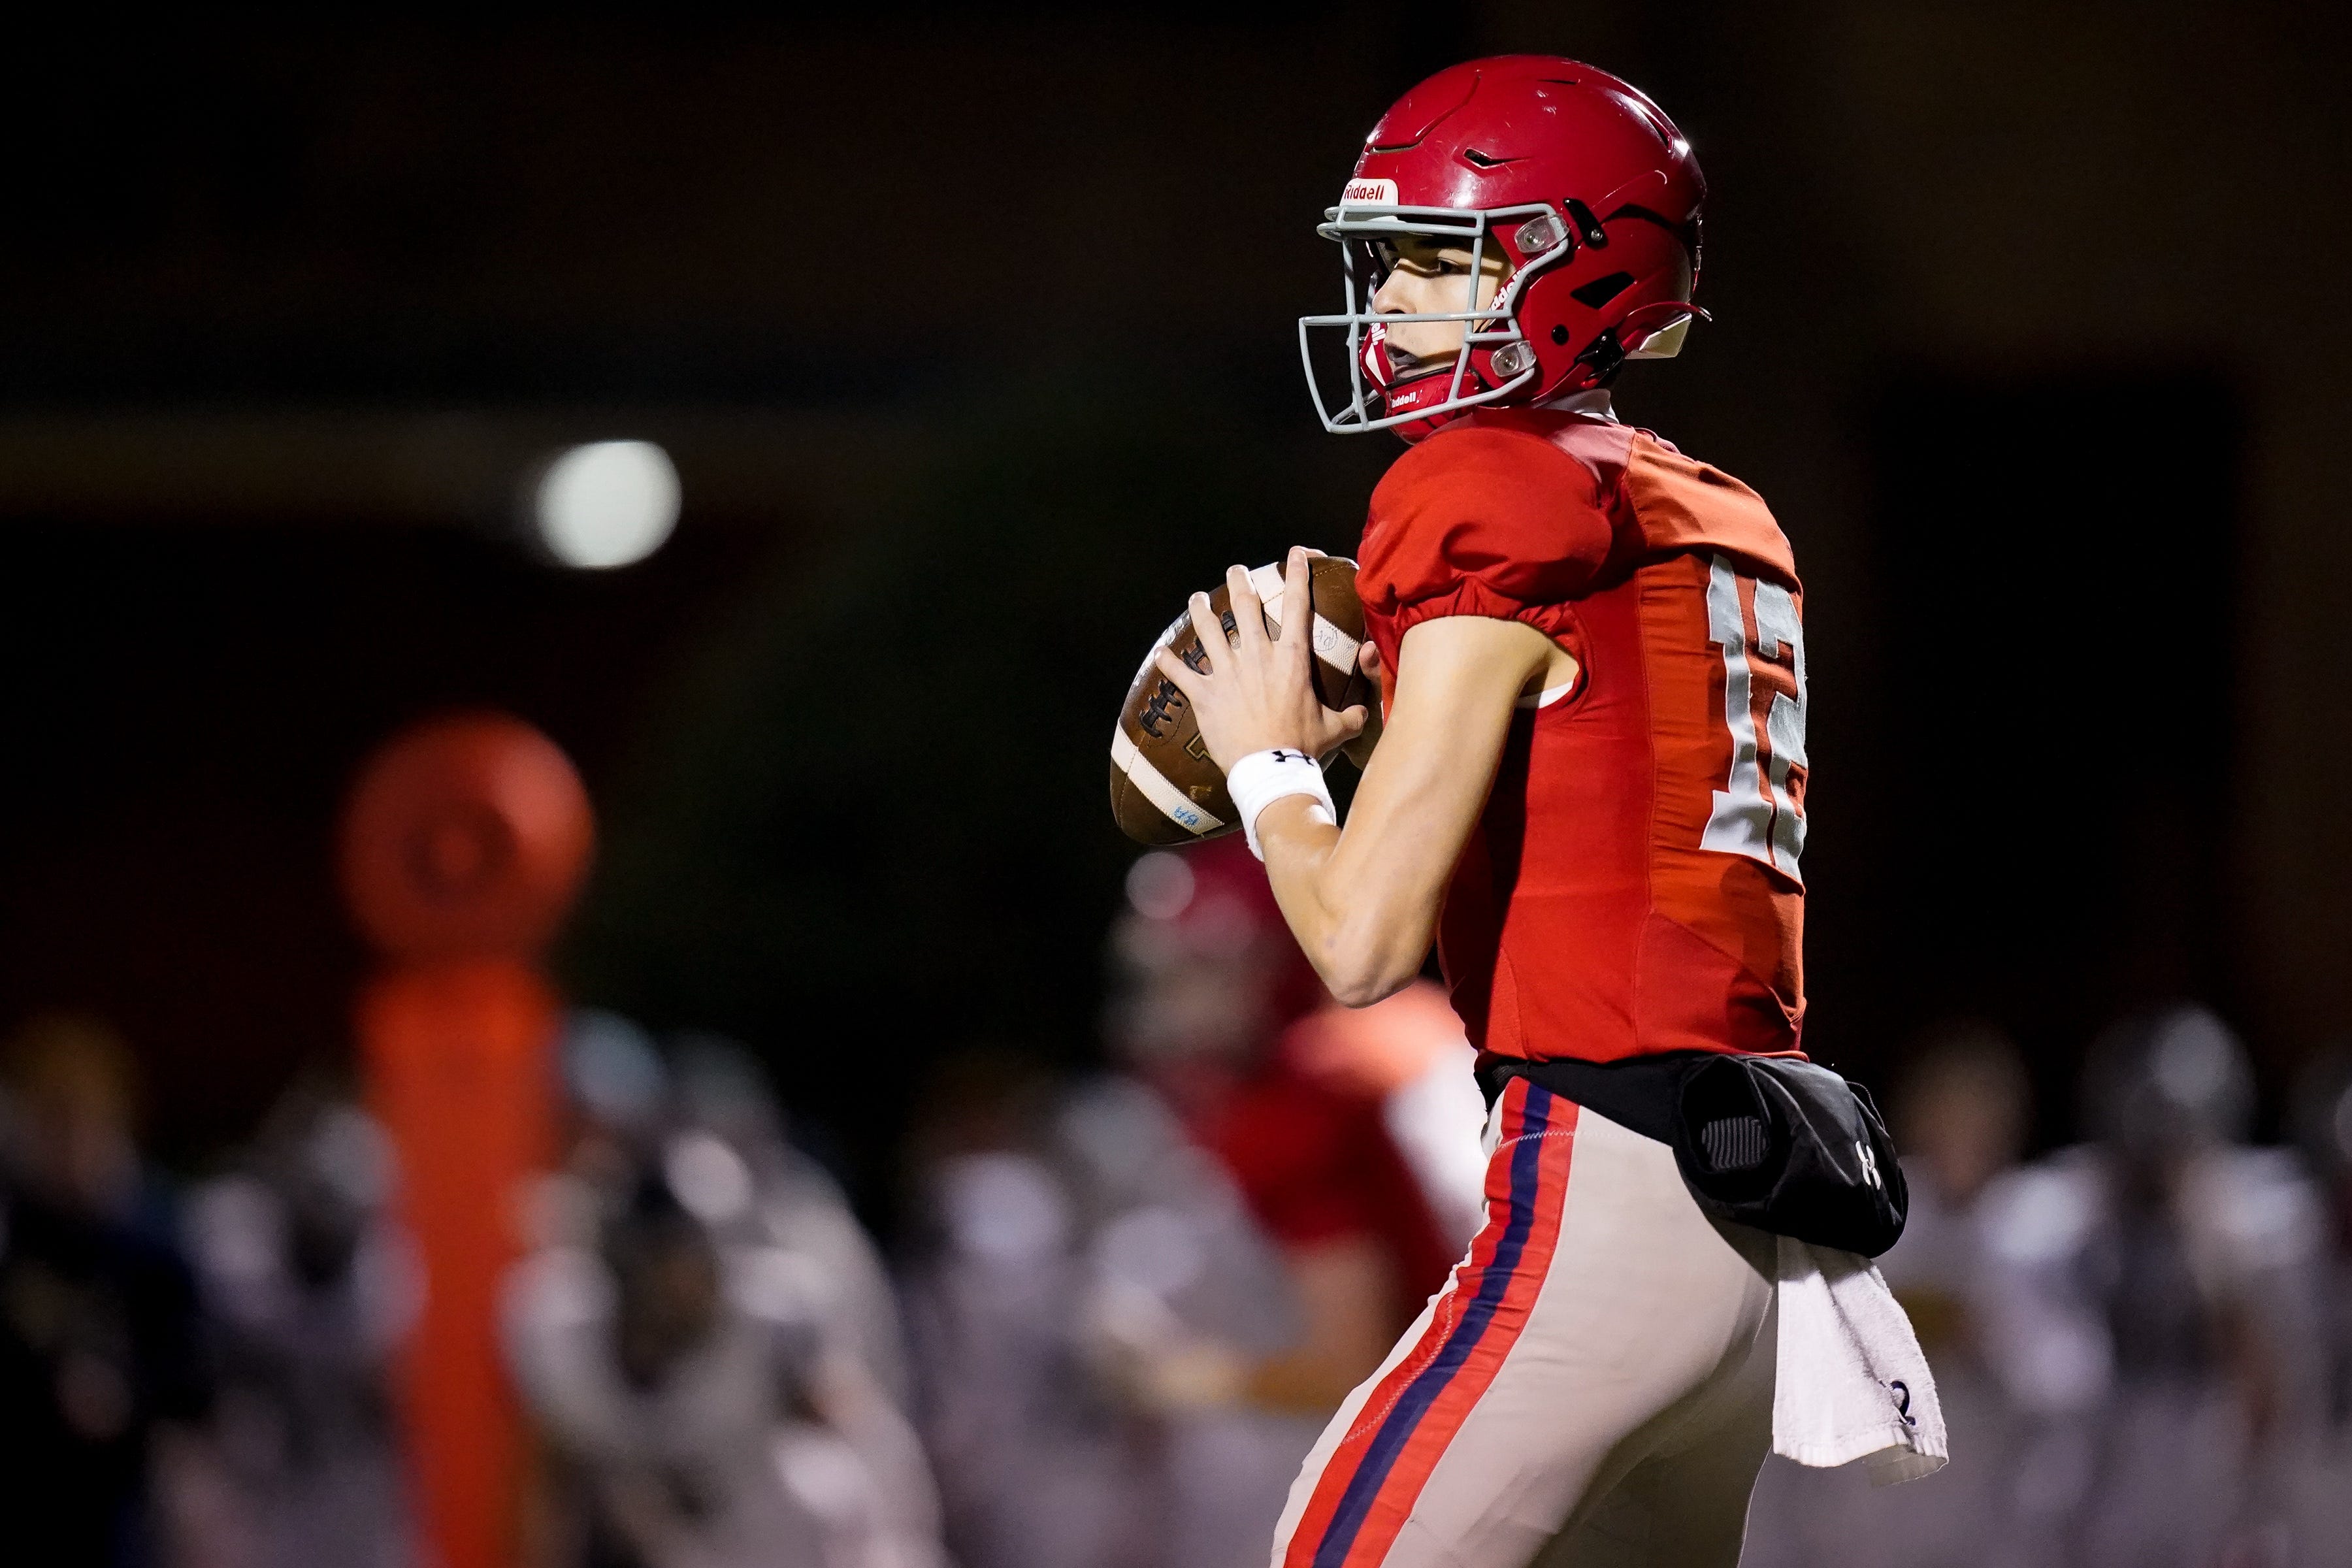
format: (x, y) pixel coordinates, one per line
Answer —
(1593, 198)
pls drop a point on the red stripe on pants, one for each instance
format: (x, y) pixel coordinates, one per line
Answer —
(1542, 1199)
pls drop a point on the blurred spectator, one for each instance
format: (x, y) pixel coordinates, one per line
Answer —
(1218, 1012)
(1210, 990)
(2158, 1293)
(307, 1290)
(616, 1094)
(1959, 1118)
(796, 1204)
(100, 1373)
(1087, 1276)
(702, 1402)
(2322, 1126)
(1175, 1273)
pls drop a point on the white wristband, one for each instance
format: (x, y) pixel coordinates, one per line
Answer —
(1260, 779)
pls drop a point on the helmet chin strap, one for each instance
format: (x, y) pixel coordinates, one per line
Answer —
(1608, 353)
(1606, 356)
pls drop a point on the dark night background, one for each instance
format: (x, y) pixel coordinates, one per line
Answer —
(971, 333)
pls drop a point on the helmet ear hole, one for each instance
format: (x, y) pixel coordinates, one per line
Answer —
(1601, 291)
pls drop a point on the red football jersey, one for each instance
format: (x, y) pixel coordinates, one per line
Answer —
(1633, 884)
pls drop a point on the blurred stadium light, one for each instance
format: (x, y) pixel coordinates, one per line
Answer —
(605, 504)
(435, 468)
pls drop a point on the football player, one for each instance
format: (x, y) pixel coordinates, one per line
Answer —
(1589, 790)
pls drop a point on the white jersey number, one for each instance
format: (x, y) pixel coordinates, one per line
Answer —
(1756, 812)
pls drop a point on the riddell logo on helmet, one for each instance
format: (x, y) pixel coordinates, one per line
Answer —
(1368, 193)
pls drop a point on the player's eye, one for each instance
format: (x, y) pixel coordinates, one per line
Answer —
(1427, 261)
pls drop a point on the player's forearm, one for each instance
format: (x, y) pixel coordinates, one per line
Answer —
(1364, 941)
(1363, 902)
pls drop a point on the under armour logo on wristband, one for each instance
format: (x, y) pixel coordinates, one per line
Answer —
(1258, 780)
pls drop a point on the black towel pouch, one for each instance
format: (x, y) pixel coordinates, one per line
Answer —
(1785, 1145)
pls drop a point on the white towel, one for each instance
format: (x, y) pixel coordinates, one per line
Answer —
(1852, 1383)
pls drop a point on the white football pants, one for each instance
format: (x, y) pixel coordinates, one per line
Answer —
(1592, 1386)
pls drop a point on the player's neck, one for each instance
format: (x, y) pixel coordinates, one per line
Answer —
(1593, 403)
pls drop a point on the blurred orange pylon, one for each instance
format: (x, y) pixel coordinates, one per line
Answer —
(464, 843)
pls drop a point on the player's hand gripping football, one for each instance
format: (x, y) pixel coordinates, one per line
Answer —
(1259, 691)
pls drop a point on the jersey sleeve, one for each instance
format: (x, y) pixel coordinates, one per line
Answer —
(1481, 521)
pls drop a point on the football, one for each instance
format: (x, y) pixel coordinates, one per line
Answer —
(1163, 788)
